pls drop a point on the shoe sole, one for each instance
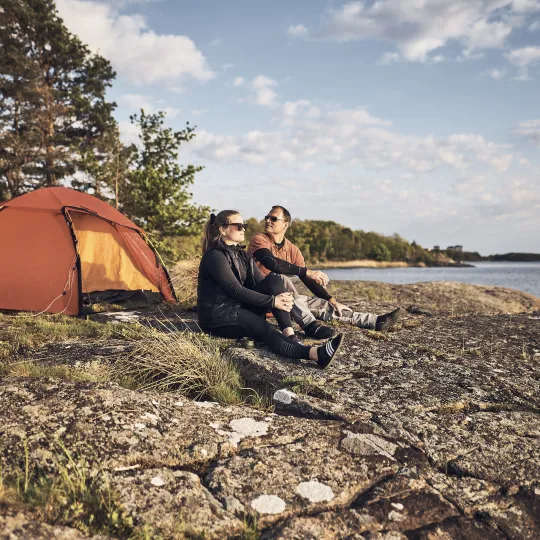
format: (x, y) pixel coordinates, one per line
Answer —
(335, 352)
(391, 321)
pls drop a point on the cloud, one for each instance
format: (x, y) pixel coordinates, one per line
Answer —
(262, 87)
(238, 81)
(524, 57)
(418, 28)
(351, 139)
(530, 129)
(298, 30)
(389, 57)
(496, 73)
(136, 51)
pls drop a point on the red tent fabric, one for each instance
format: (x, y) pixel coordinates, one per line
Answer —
(57, 244)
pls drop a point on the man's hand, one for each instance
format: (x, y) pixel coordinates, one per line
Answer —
(338, 307)
(319, 277)
(284, 301)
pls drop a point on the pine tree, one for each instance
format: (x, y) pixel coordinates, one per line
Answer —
(52, 97)
(156, 195)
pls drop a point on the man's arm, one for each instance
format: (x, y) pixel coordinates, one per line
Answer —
(318, 290)
(279, 266)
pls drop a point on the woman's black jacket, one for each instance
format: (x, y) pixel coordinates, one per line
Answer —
(226, 276)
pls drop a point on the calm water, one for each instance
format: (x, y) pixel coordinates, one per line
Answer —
(522, 276)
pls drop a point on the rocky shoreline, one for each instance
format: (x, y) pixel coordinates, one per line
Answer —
(429, 431)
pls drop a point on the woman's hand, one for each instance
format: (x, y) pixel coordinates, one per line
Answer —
(284, 301)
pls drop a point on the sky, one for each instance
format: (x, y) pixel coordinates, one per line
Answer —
(416, 117)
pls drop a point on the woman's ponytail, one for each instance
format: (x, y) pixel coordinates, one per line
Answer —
(212, 234)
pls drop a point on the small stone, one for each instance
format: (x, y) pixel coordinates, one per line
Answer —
(179, 403)
(315, 491)
(284, 396)
(395, 516)
(268, 504)
(157, 481)
(398, 506)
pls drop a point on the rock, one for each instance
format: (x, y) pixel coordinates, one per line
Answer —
(175, 505)
(16, 525)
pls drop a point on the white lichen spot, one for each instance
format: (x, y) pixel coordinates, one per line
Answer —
(139, 426)
(215, 425)
(247, 427)
(152, 417)
(284, 396)
(268, 504)
(179, 403)
(157, 481)
(205, 404)
(398, 506)
(315, 491)
(395, 516)
(203, 452)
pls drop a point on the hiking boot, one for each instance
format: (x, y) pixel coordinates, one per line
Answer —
(386, 321)
(316, 330)
(326, 352)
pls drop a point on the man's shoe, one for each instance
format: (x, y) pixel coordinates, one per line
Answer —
(386, 321)
(326, 352)
(316, 330)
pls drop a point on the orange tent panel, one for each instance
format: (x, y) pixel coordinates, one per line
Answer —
(37, 262)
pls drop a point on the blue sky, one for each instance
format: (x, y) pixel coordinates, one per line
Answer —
(420, 117)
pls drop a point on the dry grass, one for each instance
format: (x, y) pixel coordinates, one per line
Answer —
(69, 495)
(184, 278)
(364, 263)
(91, 372)
(184, 362)
(24, 332)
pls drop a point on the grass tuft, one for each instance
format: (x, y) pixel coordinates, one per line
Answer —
(184, 362)
(69, 495)
(184, 277)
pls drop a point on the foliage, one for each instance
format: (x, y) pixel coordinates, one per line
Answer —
(184, 362)
(70, 495)
(156, 196)
(52, 98)
(380, 253)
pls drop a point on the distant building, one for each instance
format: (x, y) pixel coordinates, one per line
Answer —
(436, 248)
(458, 248)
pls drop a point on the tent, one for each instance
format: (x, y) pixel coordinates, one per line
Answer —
(58, 247)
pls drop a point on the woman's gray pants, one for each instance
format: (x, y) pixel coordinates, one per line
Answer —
(306, 310)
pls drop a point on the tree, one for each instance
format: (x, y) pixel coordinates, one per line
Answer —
(381, 253)
(52, 97)
(156, 196)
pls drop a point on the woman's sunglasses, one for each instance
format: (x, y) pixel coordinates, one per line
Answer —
(273, 219)
(239, 226)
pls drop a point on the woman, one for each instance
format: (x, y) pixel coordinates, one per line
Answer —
(233, 297)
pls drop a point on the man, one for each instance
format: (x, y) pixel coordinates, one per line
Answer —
(275, 253)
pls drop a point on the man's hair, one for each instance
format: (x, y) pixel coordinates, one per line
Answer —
(286, 213)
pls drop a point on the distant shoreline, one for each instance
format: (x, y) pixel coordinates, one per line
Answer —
(367, 263)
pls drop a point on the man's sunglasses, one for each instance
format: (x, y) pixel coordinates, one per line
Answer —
(273, 219)
(239, 226)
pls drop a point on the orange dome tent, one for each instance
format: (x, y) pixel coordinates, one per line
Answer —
(58, 245)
